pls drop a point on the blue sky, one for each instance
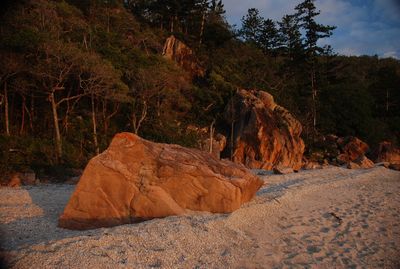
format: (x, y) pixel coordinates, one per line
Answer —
(364, 27)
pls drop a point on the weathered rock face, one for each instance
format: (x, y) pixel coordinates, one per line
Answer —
(214, 145)
(349, 151)
(352, 148)
(395, 166)
(265, 134)
(19, 179)
(135, 180)
(311, 165)
(15, 181)
(386, 152)
(218, 145)
(280, 170)
(360, 163)
(177, 51)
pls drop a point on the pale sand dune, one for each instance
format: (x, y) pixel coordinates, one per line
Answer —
(330, 218)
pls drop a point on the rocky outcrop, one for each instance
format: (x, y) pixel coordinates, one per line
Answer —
(351, 149)
(265, 135)
(135, 179)
(352, 153)
(215, 145)
(280, 170)
(208, 141)
(177, 51)
(387, 152)
(311, 165)
(360, 163)
(395, 166)
(20, 179)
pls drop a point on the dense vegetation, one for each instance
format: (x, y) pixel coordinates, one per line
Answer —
(73, 73)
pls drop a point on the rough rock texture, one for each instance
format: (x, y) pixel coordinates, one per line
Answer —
(218, 145)
(19, 179)
(352, 148)
(280, 170)
(265, 134)
(395, 166)
(384, 164)
(177, 51)
(349, 151)
(386, 152)
(311, 165)
(203, 133)
(15, 181)
(361, 163)
(135, 179)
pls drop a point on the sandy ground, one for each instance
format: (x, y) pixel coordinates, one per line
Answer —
(330, 218)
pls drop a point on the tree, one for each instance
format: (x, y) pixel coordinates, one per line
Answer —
(11, 64)
(100, 80)
(268, 36)
(290, 38)
(259, 31)
(203, 5)
(57, 62)
(251, 26)
(306, 13)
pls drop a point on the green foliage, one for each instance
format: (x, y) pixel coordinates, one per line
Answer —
(101, 62)
(25, 153)
(21, 40)
(306, 14)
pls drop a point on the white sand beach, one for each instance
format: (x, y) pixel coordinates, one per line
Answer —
(329, 218)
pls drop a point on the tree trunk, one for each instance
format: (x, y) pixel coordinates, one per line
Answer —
(314, 100)
(66, 119)
(212, 135)
(387, 101)
(136, 123)
(203, 20)
(29, 115)
(95, 142)
(32, 111)
(56, 127)
(103, 112)
(232, 144)
(21, 130)
(172, 25)
(7, 116)
(108, 20)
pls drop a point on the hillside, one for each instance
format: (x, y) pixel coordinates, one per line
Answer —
(74, 73)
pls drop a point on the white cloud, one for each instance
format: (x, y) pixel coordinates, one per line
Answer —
(392, 54)
(369, 27)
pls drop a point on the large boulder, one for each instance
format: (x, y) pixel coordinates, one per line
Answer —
(179, 52)
(135, 179)
(265, 135)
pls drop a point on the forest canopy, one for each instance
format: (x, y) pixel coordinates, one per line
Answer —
(74, 73)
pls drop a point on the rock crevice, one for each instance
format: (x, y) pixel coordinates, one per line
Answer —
(265, 135)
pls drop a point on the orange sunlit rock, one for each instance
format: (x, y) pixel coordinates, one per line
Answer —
(135, 179)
